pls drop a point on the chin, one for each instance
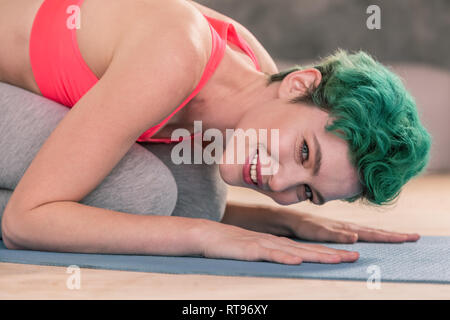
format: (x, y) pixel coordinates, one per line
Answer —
(284, 202)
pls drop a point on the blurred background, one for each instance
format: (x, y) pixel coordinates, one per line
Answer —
(413, 41)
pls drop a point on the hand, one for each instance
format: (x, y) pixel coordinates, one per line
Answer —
(309, 227)
(220, 240)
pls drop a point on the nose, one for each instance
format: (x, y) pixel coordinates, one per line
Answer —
(285, 179)
(276, 184)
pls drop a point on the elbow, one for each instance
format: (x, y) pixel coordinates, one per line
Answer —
(12, 230)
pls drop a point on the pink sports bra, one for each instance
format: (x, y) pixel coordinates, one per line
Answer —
(62, 74)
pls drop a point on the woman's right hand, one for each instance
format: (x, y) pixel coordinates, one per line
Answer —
(225, 241)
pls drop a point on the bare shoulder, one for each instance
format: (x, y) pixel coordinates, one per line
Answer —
(266, 61)
(171, 27)
(159, 59)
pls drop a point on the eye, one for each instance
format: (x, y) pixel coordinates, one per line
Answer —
(305, 151)
(308, 192)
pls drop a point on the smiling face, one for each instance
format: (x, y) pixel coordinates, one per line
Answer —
(309, 163)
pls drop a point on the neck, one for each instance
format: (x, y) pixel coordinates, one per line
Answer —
(227, 97)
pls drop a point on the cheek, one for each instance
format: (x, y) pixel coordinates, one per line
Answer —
(268, 117)
(288, 144)
(281, 145)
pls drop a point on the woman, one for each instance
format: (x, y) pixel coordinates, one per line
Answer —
(136, 70)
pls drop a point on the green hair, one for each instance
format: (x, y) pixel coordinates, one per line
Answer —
(377, 117)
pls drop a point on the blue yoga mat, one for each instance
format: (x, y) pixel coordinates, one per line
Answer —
(427, 260)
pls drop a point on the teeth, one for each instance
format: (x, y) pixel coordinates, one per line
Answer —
(255, 159)
(253, 174)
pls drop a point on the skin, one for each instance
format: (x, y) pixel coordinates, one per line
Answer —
(43, 212)
(298, 124)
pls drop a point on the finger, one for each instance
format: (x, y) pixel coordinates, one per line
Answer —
(279, 256)
(305, 254)
(410, 237)
(372, 235)
(336, 235)
(346, 256)
(413, 237)
(315, 256)
(379, 235)
(254, 251)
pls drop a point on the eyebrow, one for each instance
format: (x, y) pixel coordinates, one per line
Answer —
(317, 163)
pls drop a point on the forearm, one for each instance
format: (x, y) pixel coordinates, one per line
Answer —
(73, 227)
(259, 218)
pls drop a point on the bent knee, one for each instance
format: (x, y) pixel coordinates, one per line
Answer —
(202, 193)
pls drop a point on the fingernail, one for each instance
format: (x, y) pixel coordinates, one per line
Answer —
(354, 255)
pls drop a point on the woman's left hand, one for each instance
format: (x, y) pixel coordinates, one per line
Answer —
(314, 228)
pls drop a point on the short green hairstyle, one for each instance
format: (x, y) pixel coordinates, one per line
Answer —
(374, 113)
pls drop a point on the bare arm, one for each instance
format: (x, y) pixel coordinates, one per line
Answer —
(140, 88)
(292, 223)
(276, 221)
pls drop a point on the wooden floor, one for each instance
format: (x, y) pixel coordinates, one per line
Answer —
(423, 207)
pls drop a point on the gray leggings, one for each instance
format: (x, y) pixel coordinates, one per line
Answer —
(145, 181)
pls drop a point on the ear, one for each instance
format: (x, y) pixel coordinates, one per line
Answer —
(299, 83)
